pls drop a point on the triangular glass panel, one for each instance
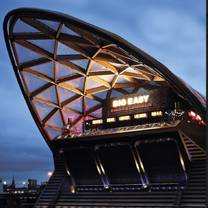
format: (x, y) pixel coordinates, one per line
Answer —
(76, 105)
(48, 94)
(56, 120)
(83, 63)
(62, 49)
(129, 89)
(64, 94)
(92, 84)
(130, 69)
(52, 24)
(52, 133)
(47, 45)
(33, 83)
(117, 64)
(78, 128)
(91, 103)
(96, 67)
(42, 109)
(68, 31)
(46, 69)
(141, 91)
(122, 80)
(25, 54)
(72, 116)
(97, 113)
(76, 83)
(88, 118)
(101, 95)
(63, 71)
(115, 93)
(107, 78)
(21, 26)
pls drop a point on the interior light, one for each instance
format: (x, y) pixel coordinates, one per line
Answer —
(110, 120)
(156, 113)
(124, 118)
(98, 121)
(140, 115)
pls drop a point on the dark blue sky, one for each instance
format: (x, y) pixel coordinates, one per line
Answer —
(172, 31)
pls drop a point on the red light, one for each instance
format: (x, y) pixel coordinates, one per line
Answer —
(198, 118)
(192, 114)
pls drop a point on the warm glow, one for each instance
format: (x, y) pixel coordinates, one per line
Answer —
(156, 113)
(50, 173)
(124, 118)
(192, 114)
(98, 121)
(72, 189)
(196, 117)
(140, 115)
(109, 120)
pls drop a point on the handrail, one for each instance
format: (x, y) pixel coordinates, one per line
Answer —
(178, 199)
(37, 200)
(53, 203)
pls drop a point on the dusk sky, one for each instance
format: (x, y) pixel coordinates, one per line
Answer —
(172, 31)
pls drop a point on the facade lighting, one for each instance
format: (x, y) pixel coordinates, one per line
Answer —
(140, 115)
(156, 113)
(98, 121)
(124, 118)
(50, 173)
(110, 120)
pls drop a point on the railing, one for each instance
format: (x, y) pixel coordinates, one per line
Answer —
(53, 203)
(118, 130)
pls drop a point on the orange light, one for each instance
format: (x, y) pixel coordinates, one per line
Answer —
(192, 114)
(124, 118)
(156, 113)
(140, 115)
(110, 120)
(198, 117)
(98, 121)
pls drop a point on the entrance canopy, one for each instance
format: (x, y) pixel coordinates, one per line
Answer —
(68, 69)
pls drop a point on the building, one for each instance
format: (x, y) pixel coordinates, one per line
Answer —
(1, 186)
(32, 184)
(124, 130)
(11, 187)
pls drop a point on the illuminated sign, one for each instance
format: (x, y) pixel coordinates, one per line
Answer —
(122, 102)
(142, 101)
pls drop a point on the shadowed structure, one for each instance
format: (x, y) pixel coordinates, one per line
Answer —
(124, 130)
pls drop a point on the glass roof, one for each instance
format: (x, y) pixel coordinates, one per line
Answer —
(68, 72)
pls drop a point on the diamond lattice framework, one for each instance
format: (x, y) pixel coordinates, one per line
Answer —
(68, 72)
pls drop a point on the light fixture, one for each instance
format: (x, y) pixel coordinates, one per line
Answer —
(156, 113)
(98, 121)
(140, 115)
(124, 118)
(50, 173)
(110, 120)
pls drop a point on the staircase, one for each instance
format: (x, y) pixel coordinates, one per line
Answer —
(49, 195)
(194, 194)
(117, 199)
